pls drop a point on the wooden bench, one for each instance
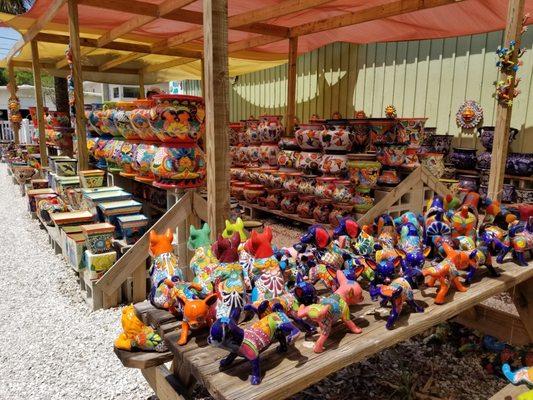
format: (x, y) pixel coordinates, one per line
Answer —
(289, 373)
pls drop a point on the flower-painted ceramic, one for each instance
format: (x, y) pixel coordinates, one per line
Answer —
(520, 164)
(340, 210)
(288, 158)
(307, 185)
(410, 131)
(308, 136)
(111, 151)
(322, 210)
(127, 157)
(309, 161)
(106, 116)
(241, 155)
(292, 181)
(254, 154)
(273, 198)
(361, 134)
(182, 166)
(508, 193)
(411, 157)
(442, 143)
(99, 153)
(93, 118)
(325, 185)
(434, 162)
(270, 128)
(277, 179)
(343, 192)
(486, 136)
(463, 158)
(389, 177)
(363, 201)
(58, 119)
(333, 164)
(468, 183)
(140, 119)
(98, 237)
(252, 174)
(143, 162)
(363, 170)
(483, 160)
(427, 139)
(235, 133)
(289, 202)
(92, 178)
(251, 135)
(237, 189)
(391, 155)
(288, 143)
(337, 136)
(178, 118)
(121, 118)
(382, 130)
(253, 191)
(269, 154)
(305, 206)
(524, 196)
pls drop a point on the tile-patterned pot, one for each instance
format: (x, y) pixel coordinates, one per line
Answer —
(463, 158)
(333, 164)
(251, 133)
(127, 157)
(309, 162)
(361, 134)
(179, 167)
(288, 158)
(270, 128)
(363, 202)
(308, 136)
(337, 137)
(140, 119)
(322, 210)
(524, 196)
(273, 198)
(483, 160)
(363, 170)
(269, 154)
(391, 155)
(520, 164)
(382, 130)
(238, 189)
(292, 181)
(508, 193)
(486, 136)
(434, 162)
(289, 202)
(235, 133)
(343, 192)
(306, 206)
(325, 185)
(143, 161)
(389, 177)
(122, 121)
(442, 143)
(410, 131)
(254, 154)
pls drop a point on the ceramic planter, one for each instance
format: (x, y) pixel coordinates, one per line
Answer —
(132, 227)
(434, 162)
(340, 210)
(382, 130)
(508, 193)
(241, 155)
(468, 182)
(305, 206)
(391, 155)
(292, 181)
(99, 153)
(286, 143)
(143, 161)
(322, 210)
(363, 171)
(253, 191)
(93, 118)
(337, 137)
(289, 202)
(309, 161)
(520, 164)
(307, 185)
(251, 134)
(333, 164)
(121, 118)
(178, 118)
(127, 157)
(524, 196)
(389, 177)
(411, 158)
(362, 202)
(92, 178)
(113, 154)
(265, 176)
(237, 189)
(273, 199)
(288, 158)
(97, 264)
(98, 237)
(269, 154)
(483, 160)
(107, 120)
(308, 136)
(252, 174)
(254, 154)
(235, 133)
(179, 167)
(486, 136)
(66, 167)
(410, 131)
(463, 158)
(361, 134)
(236, 173)
(270, 128)
(58, 119)
(277, 179)
(325, 185)
(140, 119)
(427, 139)
(442, 143)
(343, 192)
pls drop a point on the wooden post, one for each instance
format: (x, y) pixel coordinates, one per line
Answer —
(142, 91)
(515, 14)
(202, 85)
(39, 100)
(216, 112)
(74, 33)
(13, 93)
(291, 85)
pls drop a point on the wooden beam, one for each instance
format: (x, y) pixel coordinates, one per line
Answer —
(216, 112)
(39, 101)
(12, 86)
(62, 62)
(291, 85)
(119, 61)
(74, 31)
(513, 31)
(87, 68)
(142, 90)
(37, 25)
(253, 42)
(168, 64)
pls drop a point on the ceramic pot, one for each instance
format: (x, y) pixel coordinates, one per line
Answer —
(273, 199)
(143, 161)
(361, 134)
(468, 183)
(269, 154)
(286, 143)
(486, 136)
(122, 121)
(411, 158)
(305, 206)
(343, 192)
(391, 155)
(520, 164)
(33, 114)
(483, 160)
(524, 196)
(270, 128)
(277, 179)
(289, 202)
(333, 164)
(322, 210)
(106, 116)
(309, 161)
(233, 155)
(252, 174)
(325, 186)
(112, 154)
(127, 157)
(238, 189)
(58, 119)
(251, 134)
(442, 143)
(235, 133)
(483, 191)
(253, 191)
(288, 158)
(307, 185)
(484, 175)
(410, 131)
(434, 162)
(363, 170)
(179, 167)
(362, 201)
(99, 153)
(508, 193)
(389, 177)
(140, 119)
(265, 176)
(340, 210)
(236, 174)
(91, 145)
(93, 118)
(177, 118)
(427, 138)
(241, 155)
(308, 136)
(254, 154)
(292, 181)
(463, 158)
(337, 136)
(382, 130)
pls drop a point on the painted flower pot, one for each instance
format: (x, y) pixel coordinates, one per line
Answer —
(520, 164)
(289, 202)
(468, 183)
(391, 155)
(508, 193)
(292, 181)
(235, 133)
(325, 186)
(382, 130)
(307, 185)
(252, 174)
(337, 137)
(277, 179)
(269, 154)
(127, 157)
(524, 196)
(179, 167)
(288, 158)
(253, 191)
(322, 210)
(65, 167)
(343, 192)
(238, 189)
(486, 136)
(434, 162)
(333, 164)
(463, 158)
(264, 175)
(140, 119)
(254, 154)
(98, 237)
(58, 119)
(93, 118)
(121, 118)
(286, 143)
(427, 139)
(107, 120)
(251, 134)
(308, 136)
(111, 152)
(483, 160)
(442, 143)
(362, 202)
(340, 210)
(309, 161)
(305, 206)
(233, 155)
(236, 174)
(361, 134)
(363, 171)
(178, 118)
(241, 155)
(389, 177)
(270, 128)
(411, 158)
(410, 131)
(273, 199)
(92, 178)
(99, 152)
(143, 162)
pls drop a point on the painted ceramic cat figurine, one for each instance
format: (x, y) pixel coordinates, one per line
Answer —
(137, 335)
(232, 227)
(203, 262)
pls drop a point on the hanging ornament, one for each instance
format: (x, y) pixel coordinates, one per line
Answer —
(390, 111)
(504, 94)
(469, 114)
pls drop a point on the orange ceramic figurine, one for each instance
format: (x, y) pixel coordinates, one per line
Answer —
(464, 220)
(197, 313)
(137, 335)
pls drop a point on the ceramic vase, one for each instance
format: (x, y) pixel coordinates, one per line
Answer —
(363, 171)
(411, 158)
(322, 210)
(289, 202)
(251, 134)
(486, 136)
(179, 167)
(468, 182)
(270, 128)
(463, 158)
(253, 191)
(483, 160)
(434, 162)
(343, 192)
(288, 158)
(142, 164)
(140, 119)
(309, 162)
(333, 164)
(305, 206)
(442, 144)
(107, 121)
(337, 136)
(410, 131)
(308, 136)
(325, 185)
(122, 121)
(254, 154)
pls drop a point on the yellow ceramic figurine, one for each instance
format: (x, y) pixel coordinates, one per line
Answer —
(137, 335)
(232, 227)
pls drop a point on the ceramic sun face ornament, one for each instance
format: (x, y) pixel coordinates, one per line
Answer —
(469, 114)
(197, 314)
(137, 335)
(332, 308)
(390, 111)
(237, 226)
(203, 262)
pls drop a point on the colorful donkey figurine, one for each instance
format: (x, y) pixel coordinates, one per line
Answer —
(364, 244)
(465, 219)
(332, 308)
(347, 227)
(137, 335)
(166, 277)
(203, 262)
(397, 292)
(414, 252)
(385, 231)
(520, 239)
(438, 227)
(228, 277)
(250, 342)
(197, 314)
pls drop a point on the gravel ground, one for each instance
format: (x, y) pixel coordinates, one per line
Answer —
(52, 346)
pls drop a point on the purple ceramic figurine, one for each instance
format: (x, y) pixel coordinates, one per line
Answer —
(520, 241)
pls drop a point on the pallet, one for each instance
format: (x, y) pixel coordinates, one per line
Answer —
(510, 392)
(95, 297)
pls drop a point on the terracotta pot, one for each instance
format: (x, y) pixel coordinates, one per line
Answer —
(337, 137)
(273, 199)
(486, 136)
(179, 167)
(391, 155)
(288, 158)
(363, 172)
(269, 154)
(309, 161)
(343, 192)
(177, 118)
(361, 132)
(305, 206)
(382, 130)
(463, 158)
(325, 185)
(289, 202)
(308, 136)
(410, 131)
(270, 128)
(363, 202)
(140, 119)
(238, 189)
(333, 164)
(253, 191)
(434, 162)
(307, 185)
(340, 210)
(122, 121)
(235, 133)
(251, 134)
(292, 181)
(322, 210)
(127, 156)
(143, 161)
(389, 177)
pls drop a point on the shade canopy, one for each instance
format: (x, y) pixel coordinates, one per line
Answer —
(166, 41)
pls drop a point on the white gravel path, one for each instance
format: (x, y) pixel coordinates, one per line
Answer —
(51, 346)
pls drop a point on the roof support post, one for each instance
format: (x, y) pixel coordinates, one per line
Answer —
(291, 85)
(15, 126)
(39, 101)
(142, 91)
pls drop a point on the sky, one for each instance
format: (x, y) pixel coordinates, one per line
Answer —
(8, 37)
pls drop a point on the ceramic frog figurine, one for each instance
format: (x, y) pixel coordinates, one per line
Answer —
(203, 262)
(137, 335)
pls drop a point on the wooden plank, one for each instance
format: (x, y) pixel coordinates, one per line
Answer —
(119, 61)
(142, 359)
(216, 106)
(291, 86)
(253, 42)
(163, 383)
(74, 29)
(139, 282)
(515, 14)
(124, 267)
(39, 101)
(142, 90)
(523, 299)
(168, 64)
(510, 392)
(200, 207)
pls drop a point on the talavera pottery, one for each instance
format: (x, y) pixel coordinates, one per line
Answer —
(273, 198)
(98, 264)
(434, 162)
(121, 118)
(106, 116)
(181, 167)
(289, 202)
(483, 160)
(322, 210)
(98, 237)
(269, 154)
(33, 115)
(392, 155)
(140, 119)
(237, 189)
(253, 191)
(363, 170)
(486, 136)
(92, 178)
(143, 162)
(337, 136)
(427, 139)
(343, 192)
(468, 182)
(361, 134)
(309, 161)
(292, 181)
(363, 201)
(99, 153)
(288, 143)
(270, 128)
(508, 193)
(288, 158)
(524, 196)
(93, 118)
(235, 133)
(325, 185)
(127, 157)
(520, 164)
(340, 210)
(308, 136)
(410, 131)
(442, 143)
(277, 179)
(389, 177)
(132, 227)
(411, 158)
(333, 164)
(463, 158)
(382, 130)
(483, 191)
(307, 185)
(66, 167)
(251, 134)
(178, 118)
(57, 119)
(254, 154)
(305, 206)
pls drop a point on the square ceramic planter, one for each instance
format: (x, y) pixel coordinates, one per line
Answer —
(39, 183)
(74, 248)
(92, 200)
(65, 167)
(36, 192)
(72, 218)
(132, 227)
(97, 264)
(92, 178)
(98, 237)
(113, 209)
(61, 183)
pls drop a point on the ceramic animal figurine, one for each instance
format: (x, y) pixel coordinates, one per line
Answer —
(197, 314)
(250, 342)
(414, 253)
(165, 276)
(386, 231)
(203, 262)
(137, 335)
(490, 242)
(477, 254)
(364, 244)
(332, 308)
(228, 277)
(465, 219)
(398, 292)
(446, 274)
(438, 227)
(522, 375)
(412, 218)
(520, 240)
(316, 236)
(232, 227)
(347, 227)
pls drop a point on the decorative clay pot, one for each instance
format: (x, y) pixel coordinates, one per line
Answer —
(442, 143)
(127, 157)
(363, 202)
(106, 116)
(288, 158)
(434, 162)
(253, 191)
(468, 183)
(508, 193)
(99, 153)
(251, 135)
(391, 155)
(309, 161)
(289, 202)
(292, 181)
(463, 158)
(411, 158)
(524, 196)
(410, 131)
(179, 167)
(381, 131)
(483, 160)
(140, 119)
(520, 164)
(308, 136)
(287, 143)
(143, 161)
(254, 154)
(325, 185)
(235, 133)
(333, 164)
(307, 185)
(427, 139)
(178, 118)
(33, 114)
(277, 179)
(93, 118)
(238, 189)
(305, 206)
(112, 154)
(340, 210)
(343, 192)
(269, 154)
(337, 137)
(486, 136)
(121, 118)
(322, 210)
(389, 177)
(363, 172)
(270, 128)
(361, 134)
(273, 199)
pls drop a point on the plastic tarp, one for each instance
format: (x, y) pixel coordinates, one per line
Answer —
(462, 18)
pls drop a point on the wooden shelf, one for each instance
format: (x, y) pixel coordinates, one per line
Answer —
(520, 178)
(278, 213)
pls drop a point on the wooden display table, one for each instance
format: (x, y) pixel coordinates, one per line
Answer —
(289, 373)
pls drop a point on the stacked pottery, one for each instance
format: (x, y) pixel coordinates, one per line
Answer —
(389, 177)
(463, 158)
(520, 164)
(127, 157)
(235, 133)
(179, 167)
(237, 189)
(253, 191)
(363, 171)
(270, 128)
(273, 198)
(140, 119)
(93, 118)
(106, 117)
(307, 185)
(322, 210)
(305, 206)
(336, 140)
(121, 118)
(434, 162)
(381, 131)
(142, 163)
(289, 202)
(486, 136)
(292, 181)
(251, 134)
(308, 138)
(361, 135)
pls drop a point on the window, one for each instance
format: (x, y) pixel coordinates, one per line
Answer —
(116, 92)
(131, 92)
